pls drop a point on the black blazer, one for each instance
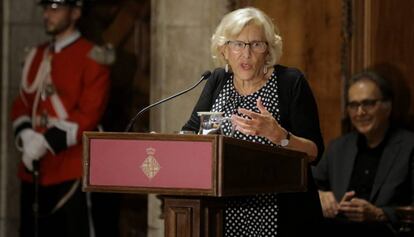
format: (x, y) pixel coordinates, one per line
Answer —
(394, 180)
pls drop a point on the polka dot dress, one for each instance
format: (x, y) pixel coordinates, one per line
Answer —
(253, 215)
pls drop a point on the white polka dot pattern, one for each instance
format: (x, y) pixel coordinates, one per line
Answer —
(254, 215)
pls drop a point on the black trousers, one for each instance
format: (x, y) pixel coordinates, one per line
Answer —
(105, 213)
(69, 221)
(342, 228)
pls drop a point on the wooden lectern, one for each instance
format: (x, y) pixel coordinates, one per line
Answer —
(195, 173)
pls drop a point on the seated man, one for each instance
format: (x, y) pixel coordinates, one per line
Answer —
(365, 174)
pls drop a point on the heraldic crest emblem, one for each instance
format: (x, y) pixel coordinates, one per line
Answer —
(150, 166)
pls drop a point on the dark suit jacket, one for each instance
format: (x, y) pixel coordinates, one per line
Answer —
(394, 180)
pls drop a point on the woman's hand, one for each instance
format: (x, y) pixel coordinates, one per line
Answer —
(265, 125)
(259, 124)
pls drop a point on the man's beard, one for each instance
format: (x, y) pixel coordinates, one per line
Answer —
(58, 28)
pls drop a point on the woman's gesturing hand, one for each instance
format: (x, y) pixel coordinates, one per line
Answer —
(259, 124)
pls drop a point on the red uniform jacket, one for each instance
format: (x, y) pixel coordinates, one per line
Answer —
(72, 100)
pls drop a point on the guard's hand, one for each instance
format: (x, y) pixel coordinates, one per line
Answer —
(28, 161)
(26, 136)
(330, 206)
(34, 144)
(259, 124)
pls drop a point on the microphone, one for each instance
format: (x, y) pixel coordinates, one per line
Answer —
(204, 76)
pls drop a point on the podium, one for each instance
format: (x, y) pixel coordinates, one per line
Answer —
(194, 173)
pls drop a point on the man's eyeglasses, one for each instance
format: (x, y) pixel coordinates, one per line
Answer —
(256, 46)
(366, 105)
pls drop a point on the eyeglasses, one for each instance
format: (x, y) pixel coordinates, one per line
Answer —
(256, 46)
(366, 105)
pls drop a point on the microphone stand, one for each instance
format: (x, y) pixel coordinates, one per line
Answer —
(204, 76)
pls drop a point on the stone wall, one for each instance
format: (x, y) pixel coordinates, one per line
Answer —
(23, 31)
(180, 53)
(21, 28)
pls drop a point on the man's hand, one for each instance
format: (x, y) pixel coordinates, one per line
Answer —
(28, 161)
(26, 136)
(360, 210)
(329, 204)
(34, 147)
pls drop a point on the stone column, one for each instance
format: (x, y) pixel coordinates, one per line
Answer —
(180, 52)
(21, 28)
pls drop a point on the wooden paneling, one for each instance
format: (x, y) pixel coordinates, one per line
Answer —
(193, 217)
(311, 32)
(383, 39)
(330, 40)
(125, 25)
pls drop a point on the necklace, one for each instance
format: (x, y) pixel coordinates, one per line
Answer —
(244, 88)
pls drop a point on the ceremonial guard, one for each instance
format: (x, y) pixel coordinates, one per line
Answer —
(63, 92)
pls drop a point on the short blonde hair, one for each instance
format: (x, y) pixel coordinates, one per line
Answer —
(234, 22)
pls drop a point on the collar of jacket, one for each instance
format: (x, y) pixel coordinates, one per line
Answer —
(61, 44)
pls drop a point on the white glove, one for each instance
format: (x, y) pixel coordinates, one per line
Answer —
(34, 147)
(28, 161)
(26, 136)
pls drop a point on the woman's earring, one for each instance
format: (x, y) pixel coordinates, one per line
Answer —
(226, 68)
(265, 70)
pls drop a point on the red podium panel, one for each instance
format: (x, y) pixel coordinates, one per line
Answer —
(144, 163)
(138, 163)
(201, 165)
